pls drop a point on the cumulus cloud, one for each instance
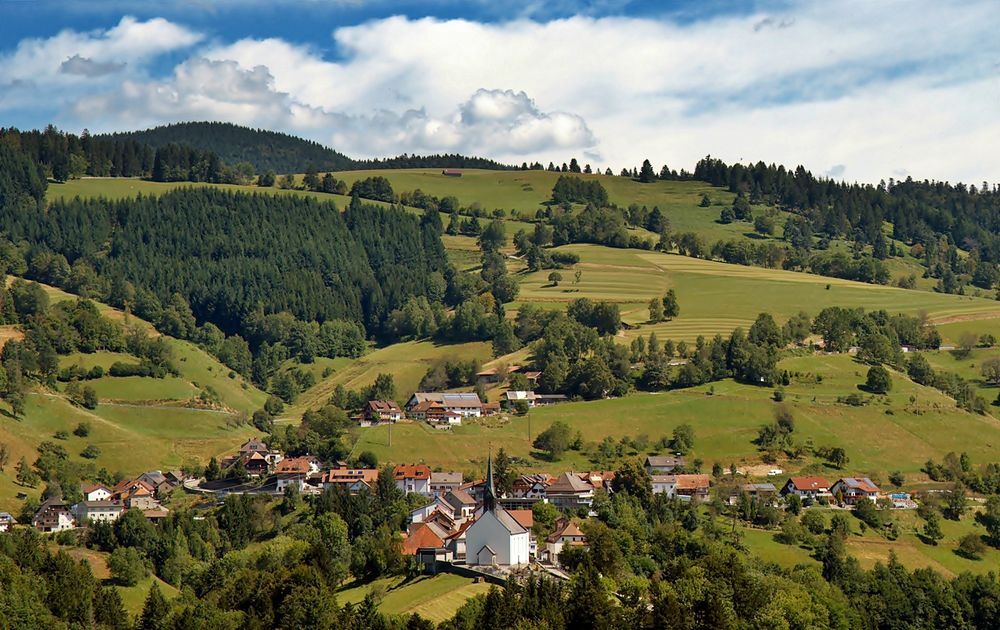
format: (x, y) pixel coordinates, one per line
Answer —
(131, 40)
(830, 84)
(88, 67)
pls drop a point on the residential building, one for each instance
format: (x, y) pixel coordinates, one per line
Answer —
(53, 516)
(383, 411)
(532, 487)
(493, 375)
(684, 486)
(570, 491)
(664, 484)
(854, 489)
(293, 471)
(135, 493)
(423, 536)
(496, 538)
(463, 506)
(466, 404)
(413, 478)
(442, 482)
(421, 513)
(663, 464)
(806, 487)
(511, 397)
(567, 534)
(97, 511)
(353, 479)
(95, 492)
(6, 521)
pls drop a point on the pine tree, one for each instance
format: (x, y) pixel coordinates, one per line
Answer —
(647, 175)
(155, 610)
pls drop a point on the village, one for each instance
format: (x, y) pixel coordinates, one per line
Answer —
(463, 524)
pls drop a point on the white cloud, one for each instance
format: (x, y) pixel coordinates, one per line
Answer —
(130, 41)
(852, 88)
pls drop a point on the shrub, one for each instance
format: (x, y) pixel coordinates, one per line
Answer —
(91, 452)
(82, 429)
(127, 566)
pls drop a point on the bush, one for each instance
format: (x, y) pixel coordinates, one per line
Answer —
(91, 452)
(82, 430)
(971, 546)
(814, 522)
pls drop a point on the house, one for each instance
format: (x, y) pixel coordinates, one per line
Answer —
(53, 516)
(255, 464)
(413, 478)
(423, 536)
(353, 479)
(467, 404)
(491, 408)
(760, 491)
(383, 411)
(496, 538)
(511, 397)
(493, 375)
(451, 172)
(251, 446)
(569, 491)
(293, 471)
(531, 487)
(463, 506)
(567, 534)
(526, 519)
(135, 493)
(444, 418)
(97, 511)
(854, 489)
(684, 487)
(154, 478)
(6, 522)
(95, 492)
(809, 488)
(421, 513)
(443, 482)
(600, 479)
(692, 487)
(663, 464)
(664, 484)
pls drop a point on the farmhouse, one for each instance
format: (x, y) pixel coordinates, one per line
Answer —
(496, 538)
(684, 487)
(466, 404)
(53, 516)
(134, 493)
(806, 487)
(415, 478)
(854, 489)
(663, 464)
(383, 411)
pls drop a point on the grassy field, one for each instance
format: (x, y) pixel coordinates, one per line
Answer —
(871, 547)
(407, 362)
(716, 297)
(899, 434)
(132, 437)
(435, 598)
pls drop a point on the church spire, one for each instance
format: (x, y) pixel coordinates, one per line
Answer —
(489, 493)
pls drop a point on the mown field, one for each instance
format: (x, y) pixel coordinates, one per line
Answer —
(436, 598)
(716, 297)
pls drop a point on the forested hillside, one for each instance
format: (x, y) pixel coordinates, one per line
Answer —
(265, 150)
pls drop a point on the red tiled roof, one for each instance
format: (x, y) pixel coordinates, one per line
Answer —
(411, 471)
(294, 465)
(384, 405)
(524, 518)
(809, 483)
(692, 482)
(422, 537)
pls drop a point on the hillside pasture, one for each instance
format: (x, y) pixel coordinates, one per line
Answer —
(716, 297)
(436, 598)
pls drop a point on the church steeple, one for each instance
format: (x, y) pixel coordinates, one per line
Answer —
(489, 493)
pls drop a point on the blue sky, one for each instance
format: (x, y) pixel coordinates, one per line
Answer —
(856, 89)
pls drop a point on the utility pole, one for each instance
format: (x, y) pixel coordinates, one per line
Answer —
(390, 434)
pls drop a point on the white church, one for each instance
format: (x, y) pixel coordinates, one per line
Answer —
(495, 538)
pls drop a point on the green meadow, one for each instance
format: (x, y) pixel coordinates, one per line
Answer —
(436, 598)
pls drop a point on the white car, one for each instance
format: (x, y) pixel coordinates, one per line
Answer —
(774, 472)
